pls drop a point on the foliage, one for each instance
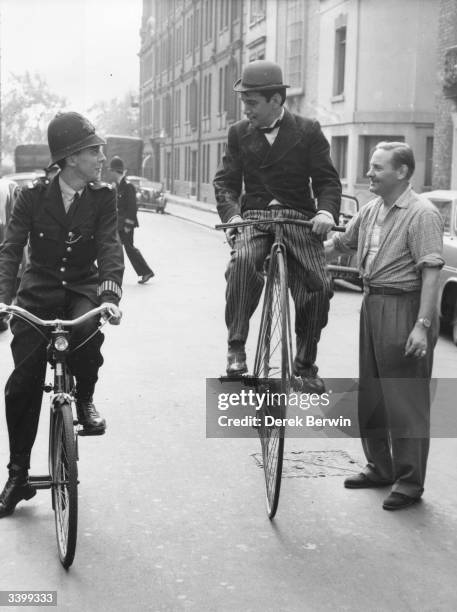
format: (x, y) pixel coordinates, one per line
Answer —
(117, 116)
(28, 105)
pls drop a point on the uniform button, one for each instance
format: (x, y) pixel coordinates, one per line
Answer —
(41, 234)
(62, 269)
(69, 249)
(64, 259)
(64, 282)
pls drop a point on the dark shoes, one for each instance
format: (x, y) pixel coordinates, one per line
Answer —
(308, 380)
(361, 481)
(146, 277)
(236, 360)
(398, 501)
(17, 488)
(88, 416)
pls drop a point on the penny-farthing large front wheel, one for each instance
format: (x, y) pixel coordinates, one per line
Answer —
(272, 368)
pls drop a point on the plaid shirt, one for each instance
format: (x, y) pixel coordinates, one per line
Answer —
(411, 238)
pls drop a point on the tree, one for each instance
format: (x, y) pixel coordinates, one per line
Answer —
(27, 107)
(116, 116)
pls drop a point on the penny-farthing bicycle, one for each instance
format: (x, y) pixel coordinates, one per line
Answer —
(63, 428)
(273, 359)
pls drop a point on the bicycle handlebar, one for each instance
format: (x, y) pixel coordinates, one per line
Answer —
(25, 314)
(224, 226)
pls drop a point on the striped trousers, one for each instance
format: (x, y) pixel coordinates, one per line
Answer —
(308, 283)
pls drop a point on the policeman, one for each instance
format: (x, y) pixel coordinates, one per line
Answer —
(70, 223)
(127, 218)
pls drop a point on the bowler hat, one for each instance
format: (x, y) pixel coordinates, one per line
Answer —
(116, 164)
(69, 133)
(260, 75)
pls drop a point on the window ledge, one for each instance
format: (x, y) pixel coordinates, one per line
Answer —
(337, 98)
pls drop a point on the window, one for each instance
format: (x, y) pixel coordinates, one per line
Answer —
(231, 100)
(208, 20)
(224, 6)
(340, 61)
(428, 162)
(193, 108)
(340, 155)
(257, 11)
(367, 144)
(207, 95)
(178, 44)
(177, 159)
(221, 91)
(294, 38)
(177, 107)
(205, 163)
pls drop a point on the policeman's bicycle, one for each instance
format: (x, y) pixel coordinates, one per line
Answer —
(63, 427)
(273, 358)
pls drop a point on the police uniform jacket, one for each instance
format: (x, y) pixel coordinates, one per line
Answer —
(283, 171)
(78, 250)
(126, 204)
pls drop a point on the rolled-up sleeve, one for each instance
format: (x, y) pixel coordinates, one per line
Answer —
(426, 239)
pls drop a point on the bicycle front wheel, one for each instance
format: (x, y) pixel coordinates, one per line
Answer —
(272, 368)
(65, 482)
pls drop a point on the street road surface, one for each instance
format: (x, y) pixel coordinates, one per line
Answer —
(170, 520)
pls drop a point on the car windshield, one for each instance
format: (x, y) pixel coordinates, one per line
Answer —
(445, 208)
(145, 184)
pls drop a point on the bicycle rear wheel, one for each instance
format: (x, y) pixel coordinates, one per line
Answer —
(273, 368)
(65, 482)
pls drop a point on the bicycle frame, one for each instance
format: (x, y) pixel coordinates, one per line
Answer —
(63, 438)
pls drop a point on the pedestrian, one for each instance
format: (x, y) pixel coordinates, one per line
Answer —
(70, 224)
(271, 158)
(127, 218)
(399, 239)
(8, 193)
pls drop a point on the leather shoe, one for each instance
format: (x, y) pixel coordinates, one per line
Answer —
(397, 501)
(88, 416)
(146, 277)
(17, 487)
(308, 380)
(361, 481)
(236, 360)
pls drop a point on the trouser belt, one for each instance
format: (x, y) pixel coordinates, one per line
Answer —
(371, 290)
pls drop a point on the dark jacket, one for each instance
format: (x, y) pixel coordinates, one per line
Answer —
(63, 247)
(283, 171)
(126, 204)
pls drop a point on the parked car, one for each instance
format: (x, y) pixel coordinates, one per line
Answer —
(148, 193)
(25, 179)
(344, 267)
(446, 202)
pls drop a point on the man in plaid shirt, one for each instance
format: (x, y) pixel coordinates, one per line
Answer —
(399, 238)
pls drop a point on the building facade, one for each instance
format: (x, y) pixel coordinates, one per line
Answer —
(445, 140)
(365, 69)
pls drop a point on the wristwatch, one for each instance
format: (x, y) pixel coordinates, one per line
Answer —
(424, 322)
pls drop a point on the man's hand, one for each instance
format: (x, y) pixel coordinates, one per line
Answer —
(112, 313)
(232, 233)
(329, 250)
(416, 345)
(322, 224)
(127, 229)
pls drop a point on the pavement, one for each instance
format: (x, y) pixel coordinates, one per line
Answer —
(171, 520)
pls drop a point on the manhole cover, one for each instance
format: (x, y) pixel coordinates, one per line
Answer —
(315, 464)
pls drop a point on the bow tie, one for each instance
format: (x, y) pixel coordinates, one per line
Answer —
(268, 130)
